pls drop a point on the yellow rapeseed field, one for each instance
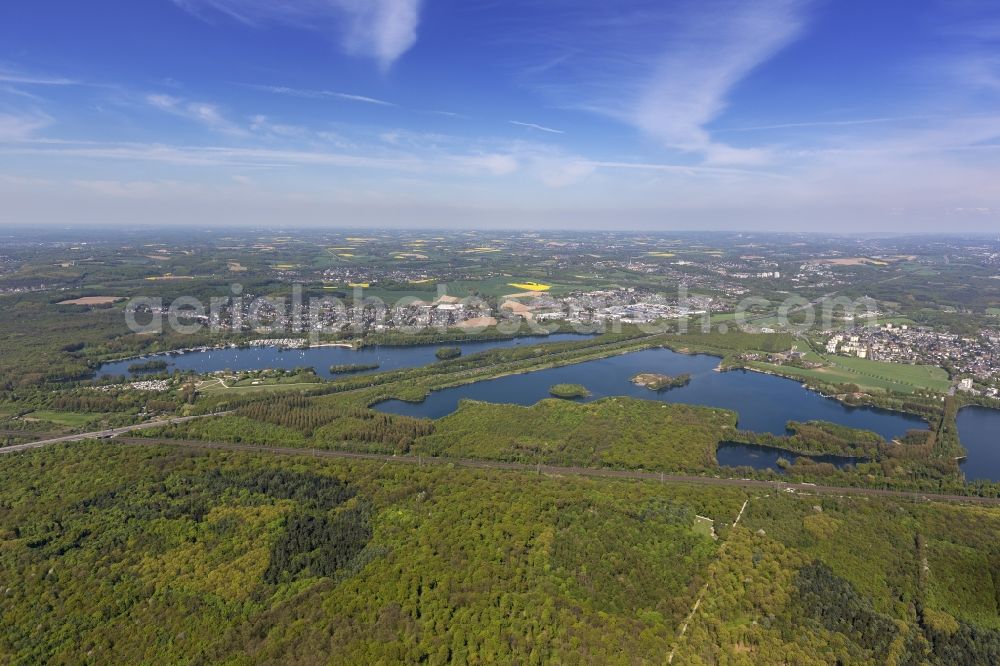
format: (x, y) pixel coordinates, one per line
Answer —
(530, 286)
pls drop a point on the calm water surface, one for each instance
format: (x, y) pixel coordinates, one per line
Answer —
(319, 358)
(764, 402)
(737, 454)
(979, 430)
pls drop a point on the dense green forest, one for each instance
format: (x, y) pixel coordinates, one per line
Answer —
(847, 581)
(569, 391)
(123, 554)
(822, 437)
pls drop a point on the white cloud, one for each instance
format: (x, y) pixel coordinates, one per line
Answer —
(977, 69)
(382, 29)
(10, 75)
(320, 94)
(210, 156)
(203, 113)
(163, 102)
(832, 123)
(17, 92)
(21, 127)
(908, 183)
(14, 80)
(709, 54)
(379, 29)
(262, 125)
(540, 128)
(431, 155)
(137, 189)
(561, 172)
(361, 98)
(497, 164)
(666, 70)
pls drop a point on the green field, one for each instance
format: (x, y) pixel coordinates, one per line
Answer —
(69, 419)
(869, 375)
(247, 385)
(704, 526)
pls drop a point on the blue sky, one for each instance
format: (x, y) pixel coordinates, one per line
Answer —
(847, 115)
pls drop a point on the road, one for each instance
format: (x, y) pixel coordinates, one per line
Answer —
(103, 434)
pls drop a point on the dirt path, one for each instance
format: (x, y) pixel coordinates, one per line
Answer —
(704, 589)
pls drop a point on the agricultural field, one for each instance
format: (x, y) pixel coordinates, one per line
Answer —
(91, 300)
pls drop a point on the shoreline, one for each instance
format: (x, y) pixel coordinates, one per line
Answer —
(357, 345)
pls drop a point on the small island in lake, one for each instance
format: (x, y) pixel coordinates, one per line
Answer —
(657, 382)
(569, 391)
(347, 368)
(445, 353)
(148, 366)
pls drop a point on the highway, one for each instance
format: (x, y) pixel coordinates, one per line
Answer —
(101, 434)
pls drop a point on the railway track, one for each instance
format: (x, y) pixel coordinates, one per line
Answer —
(556, 470)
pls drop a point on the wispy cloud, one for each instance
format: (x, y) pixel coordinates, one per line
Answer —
(540, 128)
(380, 29)
(20, 127)
(203, 113)
(205, 156)
(831, 123)
(362, 98)
(17, 92)
(321, 94)
(429, 156)
(16, 82)
(11, 73)
(710, 53)
(8, 76)
(977, 67)
(969, 34)
(666, 70)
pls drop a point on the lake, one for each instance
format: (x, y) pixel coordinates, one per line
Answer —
(979, 431)
(764, 402)
(319, 358)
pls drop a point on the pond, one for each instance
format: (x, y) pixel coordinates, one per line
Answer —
(737, 454)
(764, 402)
(319, 358)
(979, 431)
